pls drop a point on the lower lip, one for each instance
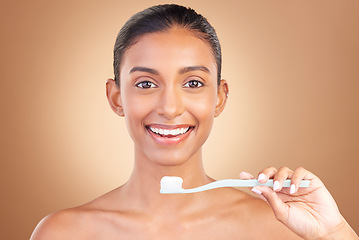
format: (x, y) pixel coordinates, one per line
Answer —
(169, 140)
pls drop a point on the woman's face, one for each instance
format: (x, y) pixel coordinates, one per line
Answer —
(169, 95)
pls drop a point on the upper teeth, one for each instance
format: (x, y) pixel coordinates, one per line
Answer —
(176, 131)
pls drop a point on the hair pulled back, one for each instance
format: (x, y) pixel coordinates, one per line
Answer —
(162, 18)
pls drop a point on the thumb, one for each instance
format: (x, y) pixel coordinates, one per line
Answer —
(245, 175)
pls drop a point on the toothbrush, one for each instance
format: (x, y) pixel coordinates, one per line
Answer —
(174, 184)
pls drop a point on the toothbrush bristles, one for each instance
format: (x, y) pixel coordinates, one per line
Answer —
(171, 184)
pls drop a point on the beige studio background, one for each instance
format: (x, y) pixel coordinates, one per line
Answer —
(293, 70)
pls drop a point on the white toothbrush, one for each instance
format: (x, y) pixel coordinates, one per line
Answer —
(174, 184)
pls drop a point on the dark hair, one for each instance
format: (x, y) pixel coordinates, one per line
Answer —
(161, 18)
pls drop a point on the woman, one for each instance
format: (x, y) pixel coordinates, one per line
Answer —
(168, 86)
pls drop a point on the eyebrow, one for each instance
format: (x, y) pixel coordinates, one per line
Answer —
(181, 71)
(144, 69)
(193, 68)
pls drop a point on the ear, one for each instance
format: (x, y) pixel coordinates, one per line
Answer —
(222, 97)
(113, 94)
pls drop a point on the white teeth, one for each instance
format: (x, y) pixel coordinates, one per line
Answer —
(165, 132)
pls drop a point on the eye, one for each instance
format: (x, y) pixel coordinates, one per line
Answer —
(146, 84)
(193, 84)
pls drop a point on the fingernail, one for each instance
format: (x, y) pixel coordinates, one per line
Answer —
(243, 175)
(255, 190)
(275, 186)
(292, 189)
(261, 177)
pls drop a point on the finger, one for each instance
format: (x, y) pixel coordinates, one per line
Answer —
(245, 175)
(267, 173)
(259, 193)
(298, 175)
(279, 208)
(282, 174)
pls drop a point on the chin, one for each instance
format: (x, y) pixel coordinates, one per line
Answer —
(170, 159)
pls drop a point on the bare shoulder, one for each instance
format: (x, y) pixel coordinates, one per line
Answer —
(60, 225)
(82, 222)
(254, 217)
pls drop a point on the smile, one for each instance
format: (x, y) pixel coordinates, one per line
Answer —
(169, 132)
(169, 135)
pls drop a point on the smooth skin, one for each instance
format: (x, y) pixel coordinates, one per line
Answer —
(168, 80)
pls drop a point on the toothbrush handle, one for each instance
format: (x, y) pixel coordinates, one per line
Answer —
(242, 183)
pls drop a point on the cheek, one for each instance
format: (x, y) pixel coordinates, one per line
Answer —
(136, 109)
(203, 108)
(135, 105)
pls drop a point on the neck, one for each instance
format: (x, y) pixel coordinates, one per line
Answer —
(143, 187)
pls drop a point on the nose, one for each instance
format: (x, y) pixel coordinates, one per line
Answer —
(170, 104)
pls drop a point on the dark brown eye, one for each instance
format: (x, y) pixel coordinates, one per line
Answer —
(146, 84)
(193, 84)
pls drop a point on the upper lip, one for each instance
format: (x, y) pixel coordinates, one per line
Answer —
(169, 126)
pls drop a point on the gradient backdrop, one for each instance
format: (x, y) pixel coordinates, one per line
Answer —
(293, 70)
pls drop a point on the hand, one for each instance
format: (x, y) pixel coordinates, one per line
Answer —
(310, 212)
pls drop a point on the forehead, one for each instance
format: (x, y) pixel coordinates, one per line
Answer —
(170, 49)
